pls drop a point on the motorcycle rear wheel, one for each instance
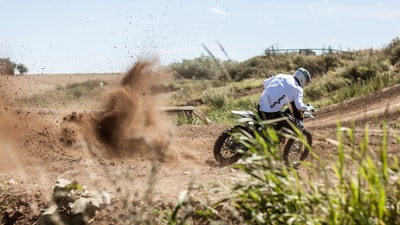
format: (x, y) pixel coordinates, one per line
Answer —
(296, 151)
(227, 148)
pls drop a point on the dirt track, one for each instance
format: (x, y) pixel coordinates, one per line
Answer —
(34, 154)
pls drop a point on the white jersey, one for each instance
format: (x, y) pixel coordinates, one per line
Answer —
(280, 90)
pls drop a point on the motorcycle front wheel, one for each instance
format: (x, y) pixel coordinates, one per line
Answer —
(227, 148)
(296, 151)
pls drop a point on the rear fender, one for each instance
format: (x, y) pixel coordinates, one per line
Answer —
(247, 117)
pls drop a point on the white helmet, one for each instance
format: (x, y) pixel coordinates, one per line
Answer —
(303, 76)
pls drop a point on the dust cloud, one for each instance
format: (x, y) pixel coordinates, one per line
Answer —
(8, 155)
(132, 122)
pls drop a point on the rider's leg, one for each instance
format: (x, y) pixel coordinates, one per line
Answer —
(297, 115)
(263, 116)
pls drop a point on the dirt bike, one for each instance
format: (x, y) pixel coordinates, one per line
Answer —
(228, 149)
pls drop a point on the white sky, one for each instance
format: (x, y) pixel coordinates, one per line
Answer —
(84, 36)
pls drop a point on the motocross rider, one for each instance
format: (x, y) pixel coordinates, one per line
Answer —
(281, 90)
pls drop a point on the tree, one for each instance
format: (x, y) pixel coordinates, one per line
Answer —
(22, 69)
(6, 66)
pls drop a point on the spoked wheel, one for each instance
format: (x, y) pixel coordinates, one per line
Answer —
(296, 151)
(227, 148)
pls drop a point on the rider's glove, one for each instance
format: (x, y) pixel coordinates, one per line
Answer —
(310, 108)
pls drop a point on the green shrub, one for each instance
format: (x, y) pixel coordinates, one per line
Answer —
(360, 72)
(188, 91)
(325, 86)
(254, 67)
(203, 67)
(393, 51)
(330, 62)
(362, 187)
(336, 77)
(217, 98)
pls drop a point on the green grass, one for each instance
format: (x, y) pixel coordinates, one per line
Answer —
(362, 187)
(217, 101)
(336, 78)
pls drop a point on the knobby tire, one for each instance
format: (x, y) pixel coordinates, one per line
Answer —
(226, 146)
(295, 151)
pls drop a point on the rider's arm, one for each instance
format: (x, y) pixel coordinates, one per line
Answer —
(298, 101)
